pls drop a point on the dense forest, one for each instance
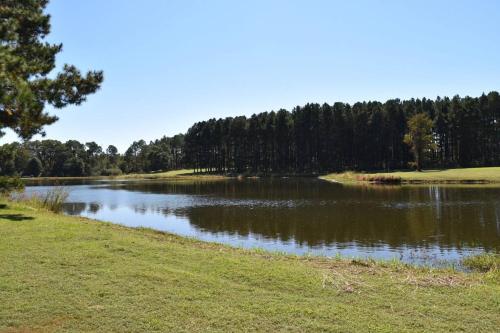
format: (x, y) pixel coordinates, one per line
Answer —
(364, 136)
(72, 158)
(310, 139)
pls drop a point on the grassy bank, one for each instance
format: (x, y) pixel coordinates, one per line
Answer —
(61, 273)
(184, 174)
(463, 175)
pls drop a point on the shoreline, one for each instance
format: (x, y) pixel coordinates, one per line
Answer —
(168, 175)
(464, 176)
(105, 272)
(21, 205)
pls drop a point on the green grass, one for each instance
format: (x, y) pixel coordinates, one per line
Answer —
(67, 274)
(187, 174)
(487, 262)
(464, 175)
(52, 200)
(183, 174)
(166, 174)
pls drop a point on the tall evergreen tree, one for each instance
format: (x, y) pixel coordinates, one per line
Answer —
(27, 61)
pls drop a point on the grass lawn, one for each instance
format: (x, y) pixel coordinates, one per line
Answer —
(166, 174)
(487, 175)
(60, 273)
(183, 174)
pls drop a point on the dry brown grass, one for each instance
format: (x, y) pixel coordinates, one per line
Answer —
(358, 276)
(379, 179)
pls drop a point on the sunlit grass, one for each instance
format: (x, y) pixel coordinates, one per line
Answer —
(464, 175)
(68, 274)
(52, 200)
(183, 174)
(172, 173)
(488, 262)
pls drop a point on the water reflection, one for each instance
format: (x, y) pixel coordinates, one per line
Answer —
(304, 215)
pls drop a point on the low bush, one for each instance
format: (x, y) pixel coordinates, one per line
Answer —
(10, 184)
(485, 262)
(52, 200)
(380, 179)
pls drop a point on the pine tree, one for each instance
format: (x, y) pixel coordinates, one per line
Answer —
(27, 61)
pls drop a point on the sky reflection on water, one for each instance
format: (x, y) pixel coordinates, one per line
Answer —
(301, 216)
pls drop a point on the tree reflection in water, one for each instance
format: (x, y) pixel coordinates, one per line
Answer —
(306, 212)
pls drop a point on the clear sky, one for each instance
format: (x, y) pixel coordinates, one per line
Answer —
(171, 63)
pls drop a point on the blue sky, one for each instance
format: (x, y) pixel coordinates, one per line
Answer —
(169, 64)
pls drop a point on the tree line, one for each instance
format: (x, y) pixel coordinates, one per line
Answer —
(364, 136)
(308, 139)
(462, 132)
(52, 158)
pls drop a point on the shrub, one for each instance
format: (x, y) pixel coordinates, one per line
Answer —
(52, 200)
(483, 262)
(10, 184)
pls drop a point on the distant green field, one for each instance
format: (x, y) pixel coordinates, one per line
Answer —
(166, 174)
(70, 274)
(172, 173)
(183, 174)
(488, 175)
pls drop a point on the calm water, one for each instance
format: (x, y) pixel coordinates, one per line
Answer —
(412, 223)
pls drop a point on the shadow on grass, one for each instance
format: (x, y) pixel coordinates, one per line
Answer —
(16, 217)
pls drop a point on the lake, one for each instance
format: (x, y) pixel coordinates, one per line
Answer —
(428, 224)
